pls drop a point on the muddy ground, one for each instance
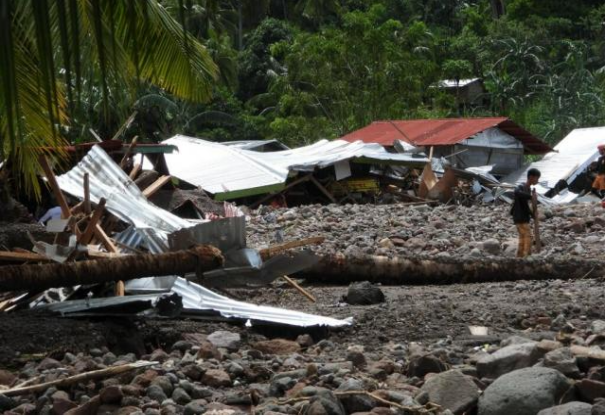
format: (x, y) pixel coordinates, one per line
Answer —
(426, 314)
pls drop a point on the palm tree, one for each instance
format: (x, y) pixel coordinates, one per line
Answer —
(50, 48)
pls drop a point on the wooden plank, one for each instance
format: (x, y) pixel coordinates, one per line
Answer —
(87, 208)
(135, 171)
(52, 181)
(124, 126)
(300, 289)
(95, 135)
(22, 256)
(323, 189)
(92, 224)
(268, 252)
(154, 187)
(133, 143)
(105, 240)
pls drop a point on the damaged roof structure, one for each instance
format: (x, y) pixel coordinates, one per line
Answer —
(469, 142)
(566, 164)
(157, 231)
(230, 172)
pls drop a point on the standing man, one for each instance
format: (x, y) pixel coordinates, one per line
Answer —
(598, 185)
(522, 213)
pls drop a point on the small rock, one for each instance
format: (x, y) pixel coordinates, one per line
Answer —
(165, 383)
(590, 390)
(356, 357)
(180, 396)
(597, 327)
(182, 346)
(420, 366)
(6, 403)
(277, 346)
(305, 340)
(159, 355)
(364, 293)
(155, 392)
(216, 378)
(491, 246)
(571, 408)
(598, 408)
(507, 359)
(452, 390)
(562, 360)
(111, 395)
(48, 364)
(195, 407)
(207, 351)
(7, 378)
(325, 403)
(225, 339)
(355, 402)
(525, 391)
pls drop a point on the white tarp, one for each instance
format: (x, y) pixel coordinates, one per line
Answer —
(571, 157)
(219, 169)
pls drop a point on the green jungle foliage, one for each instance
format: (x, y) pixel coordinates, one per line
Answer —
(295, 70)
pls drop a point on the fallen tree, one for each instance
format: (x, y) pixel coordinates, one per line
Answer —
(39, 277)
(339, 269)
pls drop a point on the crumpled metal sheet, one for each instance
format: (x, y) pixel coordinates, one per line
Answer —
(221, 169)
(164, 305)
(197, 300)
(124, 198)
(225, 234)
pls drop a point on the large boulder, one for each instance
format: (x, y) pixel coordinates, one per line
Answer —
(571, 408)
(364, 293)
(525, 391)
(452, 390)
(507, 359)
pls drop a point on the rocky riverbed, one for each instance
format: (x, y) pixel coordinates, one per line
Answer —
(443, 231)
(487, 348)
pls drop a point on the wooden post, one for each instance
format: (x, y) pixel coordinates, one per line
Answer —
(154, 187)
(534, 204)
(133, 143)
(92, 224)
(87, 208)
(52, 181)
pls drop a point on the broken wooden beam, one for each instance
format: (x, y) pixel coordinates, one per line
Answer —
(87, 208)
(21, 256)
(133, 143)
(52, 181)
(154, 187)
(88, 233)
(199, 259)
(271, 251)
(299, 289)
(341, 269)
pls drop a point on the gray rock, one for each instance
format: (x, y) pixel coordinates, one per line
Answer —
(235, 369)
(420, 366)
(280, 386)
(515, 340)
(598, 408)
(571, 408)
(6, 403)
(562, 360)
(225, 339)
(364, 293)
(452, 390)
(355, 402)
(525, 391)
(491, 246)
(164, 383)
(155, 392)
(325, 403)
(507, 359)
(200, 392)
(597, 327)
(195, 407)
(182, 346)
(180, 396)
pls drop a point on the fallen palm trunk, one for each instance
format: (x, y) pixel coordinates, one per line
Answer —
(339, 269)
(40, 277)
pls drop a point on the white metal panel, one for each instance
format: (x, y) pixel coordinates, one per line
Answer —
(571, 157)
(218, 168)
(124, 198)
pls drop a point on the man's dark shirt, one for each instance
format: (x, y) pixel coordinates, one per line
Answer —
(601, 165)
(520, 210)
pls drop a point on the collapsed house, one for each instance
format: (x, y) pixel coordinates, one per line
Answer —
(85, 249)
(464, 142)
(232, 172)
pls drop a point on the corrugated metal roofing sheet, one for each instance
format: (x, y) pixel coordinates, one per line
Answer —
(124, 198)
(571, 156)
(221, 169)
(442, 132)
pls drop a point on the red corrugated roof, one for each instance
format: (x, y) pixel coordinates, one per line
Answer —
(440, 132)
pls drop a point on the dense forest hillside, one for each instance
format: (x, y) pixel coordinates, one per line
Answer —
(310, 69)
